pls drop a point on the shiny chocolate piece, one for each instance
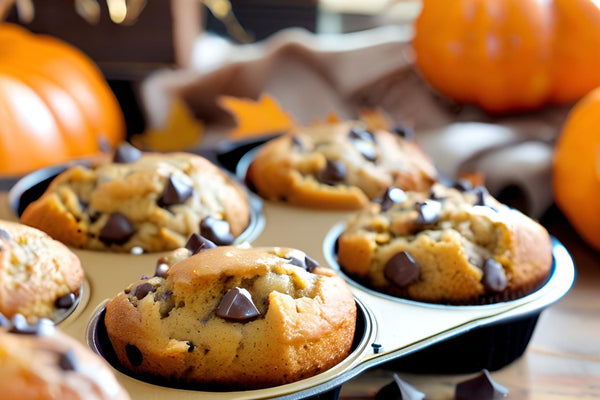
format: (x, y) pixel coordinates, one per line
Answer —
(134, 355)
(42, 327)
(462, 185)
(68, 361)
(482, 195)
(404, 131)
(333, 173)
(142, 290)
(494, 277)
(304, 262)
(402, 269)
(392, 195)
(482, 387)
(117, 229)
(65, 301)
(399, 390)
(5, 235)
(3, 320)
(176, 192)
(191, 347)
(197, 243)
(297, 143)
(361, 134)
(161, 270)
(429, 212)
(366, 149)
(216, 230)
(237, 306)
(126, 153)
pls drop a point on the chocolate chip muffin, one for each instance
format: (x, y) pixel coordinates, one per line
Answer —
(451, 246)
(153, 201)
(339, 166)
(242, 318)
(38, 275)
(38, 362)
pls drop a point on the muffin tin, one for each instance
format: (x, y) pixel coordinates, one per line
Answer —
(399, 333)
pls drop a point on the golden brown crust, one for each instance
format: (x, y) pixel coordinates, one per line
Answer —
(35, 270)
(30, 370)
(288, 168)
(450, 252)
(78, 203)
(306, 323)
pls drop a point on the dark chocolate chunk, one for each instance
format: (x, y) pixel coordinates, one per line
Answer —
(42, 327)
(361, 134)
(404, 131)
(176, 192)
(392, 195)
(237, 306)
(333, 173)
(126, 153)
(429, 212)
(297, 143)
(399, 390)
(304, 262)
(142, 290)
(68, 361)
(197, 243)
(191, 347)
(216, 230)
(462, 185)
(134, 355)
(117, 229)
(402, 269)
(4, 235)
(3, 320)
(494, 277)
(65, 301)
(366, 149)
(482, 387)
(161, 270)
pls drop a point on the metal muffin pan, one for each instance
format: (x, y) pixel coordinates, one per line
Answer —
(388, 329)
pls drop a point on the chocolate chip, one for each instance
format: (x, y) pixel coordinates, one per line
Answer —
(134, 355)
(482, 387)
(237, 306)
(366, 149)
(142, 290)
(304, 262)
(42, 327)
(428, 212)
(3, 320)
(297, 143)
(392, 195)
(191, 347)
(463, 185)
(494, 277)
(65, 301)
(68, 361)
(404, 131)
(399, 390)
(126, 153)
(161, 270)
(197, 243)
(216, 230)
(333, 173)
(402, 269)
(5, 235)
(117, 229)
(176, 192)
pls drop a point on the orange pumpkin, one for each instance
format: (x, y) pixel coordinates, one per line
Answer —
(576, 168)
(509, 55)
(55, 105)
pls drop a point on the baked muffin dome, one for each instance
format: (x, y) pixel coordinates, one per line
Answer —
(37, 362)
(149, 200)
(243, 318)
(38, 275)
(451, 246)
(338, 166)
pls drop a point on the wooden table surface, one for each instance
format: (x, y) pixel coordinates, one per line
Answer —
(562, 360)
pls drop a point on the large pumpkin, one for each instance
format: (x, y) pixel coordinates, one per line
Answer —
(576, 168)
(509, 55)
(55, 105)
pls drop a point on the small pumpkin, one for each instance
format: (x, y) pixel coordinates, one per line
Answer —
(55, 104)
(509, 55)
(576, 168)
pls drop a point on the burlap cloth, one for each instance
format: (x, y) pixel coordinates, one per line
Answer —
(312, 75)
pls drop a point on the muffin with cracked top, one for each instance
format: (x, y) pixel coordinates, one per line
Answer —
(339, 166)
(454, 245)
(152, 201)
(242, 318)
